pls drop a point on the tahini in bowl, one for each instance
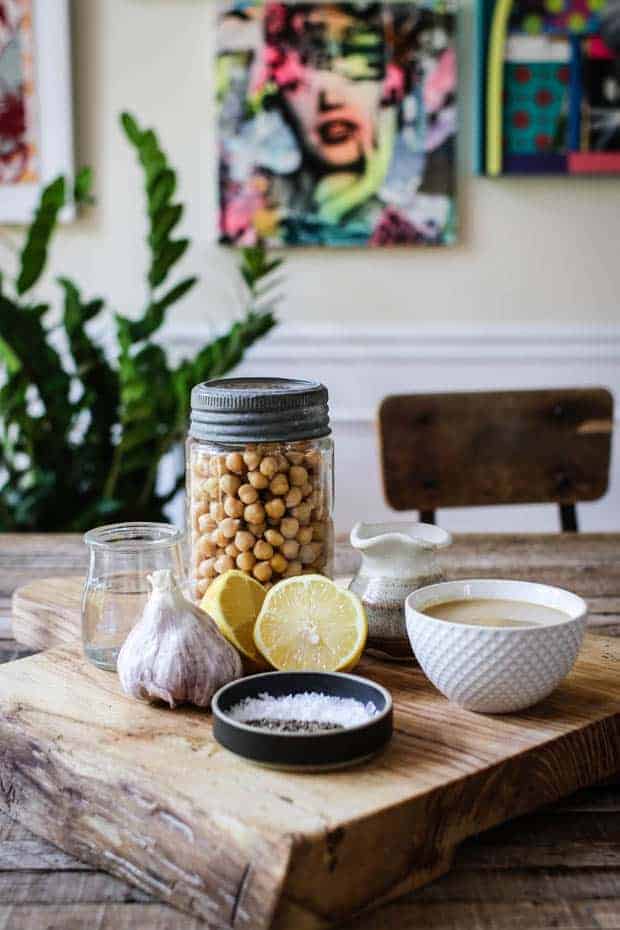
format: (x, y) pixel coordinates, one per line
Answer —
(495, 670)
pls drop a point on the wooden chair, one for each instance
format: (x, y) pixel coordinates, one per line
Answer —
(504, 447)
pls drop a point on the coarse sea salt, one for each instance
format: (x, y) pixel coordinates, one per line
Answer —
(325, 711)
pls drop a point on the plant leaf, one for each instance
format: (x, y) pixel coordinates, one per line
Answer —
(34, 253)
(154, 314)
(168, 255)
(82, 186)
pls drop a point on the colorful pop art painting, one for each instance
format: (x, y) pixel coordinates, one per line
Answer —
(549, 87)
(17, 115)
(337, 122)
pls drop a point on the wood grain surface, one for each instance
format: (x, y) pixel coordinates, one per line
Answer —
(556, 868)
(260, 848)
(46, 612)
(502, 447)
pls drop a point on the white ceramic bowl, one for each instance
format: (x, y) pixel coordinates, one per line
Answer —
(495, 670)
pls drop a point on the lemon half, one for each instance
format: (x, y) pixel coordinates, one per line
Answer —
(234, 601)
(307, 623)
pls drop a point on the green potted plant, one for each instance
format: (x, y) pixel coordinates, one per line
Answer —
(82, 434)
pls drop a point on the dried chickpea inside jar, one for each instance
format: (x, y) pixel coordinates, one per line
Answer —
(259, 480)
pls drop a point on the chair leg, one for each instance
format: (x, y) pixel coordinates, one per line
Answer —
(568, 517)
(427, 516)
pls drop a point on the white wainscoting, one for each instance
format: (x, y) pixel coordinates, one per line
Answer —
(361, 367)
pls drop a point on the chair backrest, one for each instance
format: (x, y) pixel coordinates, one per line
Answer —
(501, 447)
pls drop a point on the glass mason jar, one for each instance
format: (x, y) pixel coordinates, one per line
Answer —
(260, 489)
(122, 555)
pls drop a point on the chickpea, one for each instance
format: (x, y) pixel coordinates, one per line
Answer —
(275, 508)
(262, 571)
(206, 568)
(294, 568)
(313, 460)
(298, 475)
(234, 462)
(248, 494)
(279, 564)
(295, 458)
(293, 498)
(257, 528)
(229, 528)
(304, 536)
(246, 561)
(289, 527)
(273, 537)
(314, 499)
(269, 466)
(230, 484)
(198, 490)
(251, 459)
(224, 563)
(219, 538)
(318, 532)
(302, 513)
(201, 466)
(205, 523)
(212, 486)
(279, 485)
(216, 466)
(309, 553)
(217, 511)
(231, 550)
(268, 585)
(202, 585)
(258, 480)
(244, 540)
(205, 547)
(254, 513)
(307, 489)
(233, 507)
(290, 548)
(283, 462)
(263, 550)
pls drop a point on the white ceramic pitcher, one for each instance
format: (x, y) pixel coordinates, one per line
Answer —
(397, 558)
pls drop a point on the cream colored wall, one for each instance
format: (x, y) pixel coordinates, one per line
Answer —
(540, 252)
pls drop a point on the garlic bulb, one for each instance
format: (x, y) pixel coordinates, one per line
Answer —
(175, 653)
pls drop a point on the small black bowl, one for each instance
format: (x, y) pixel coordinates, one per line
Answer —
(303, 752)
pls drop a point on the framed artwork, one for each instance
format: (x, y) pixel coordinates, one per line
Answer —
(36, 139)
(337, 122)
(549, 87)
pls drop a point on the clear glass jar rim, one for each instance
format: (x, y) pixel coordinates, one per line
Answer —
(131, 537)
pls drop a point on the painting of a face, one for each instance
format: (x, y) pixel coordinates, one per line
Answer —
(335, 96)
(337, 122)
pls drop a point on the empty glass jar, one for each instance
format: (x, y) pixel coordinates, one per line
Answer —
(260, 462)
(122, 555)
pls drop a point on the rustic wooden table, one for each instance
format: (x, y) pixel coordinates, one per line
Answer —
(557, 868)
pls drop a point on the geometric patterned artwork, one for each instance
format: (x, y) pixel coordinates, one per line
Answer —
(17, 112)
(337, 122)
(549, 87)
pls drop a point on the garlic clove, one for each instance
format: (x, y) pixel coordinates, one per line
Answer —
(175, 653)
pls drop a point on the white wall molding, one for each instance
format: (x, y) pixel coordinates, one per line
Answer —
(363, 365)
(288, 342)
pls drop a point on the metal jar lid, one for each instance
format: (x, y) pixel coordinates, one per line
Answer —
(259, 410)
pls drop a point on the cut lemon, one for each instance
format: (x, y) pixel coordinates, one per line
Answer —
(234, 601)
(308, 624)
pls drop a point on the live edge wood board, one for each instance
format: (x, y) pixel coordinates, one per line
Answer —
(146, 793)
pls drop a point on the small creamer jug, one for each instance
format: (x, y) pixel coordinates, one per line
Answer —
(397, 558)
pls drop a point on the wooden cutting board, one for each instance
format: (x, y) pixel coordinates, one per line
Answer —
(146, 793)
